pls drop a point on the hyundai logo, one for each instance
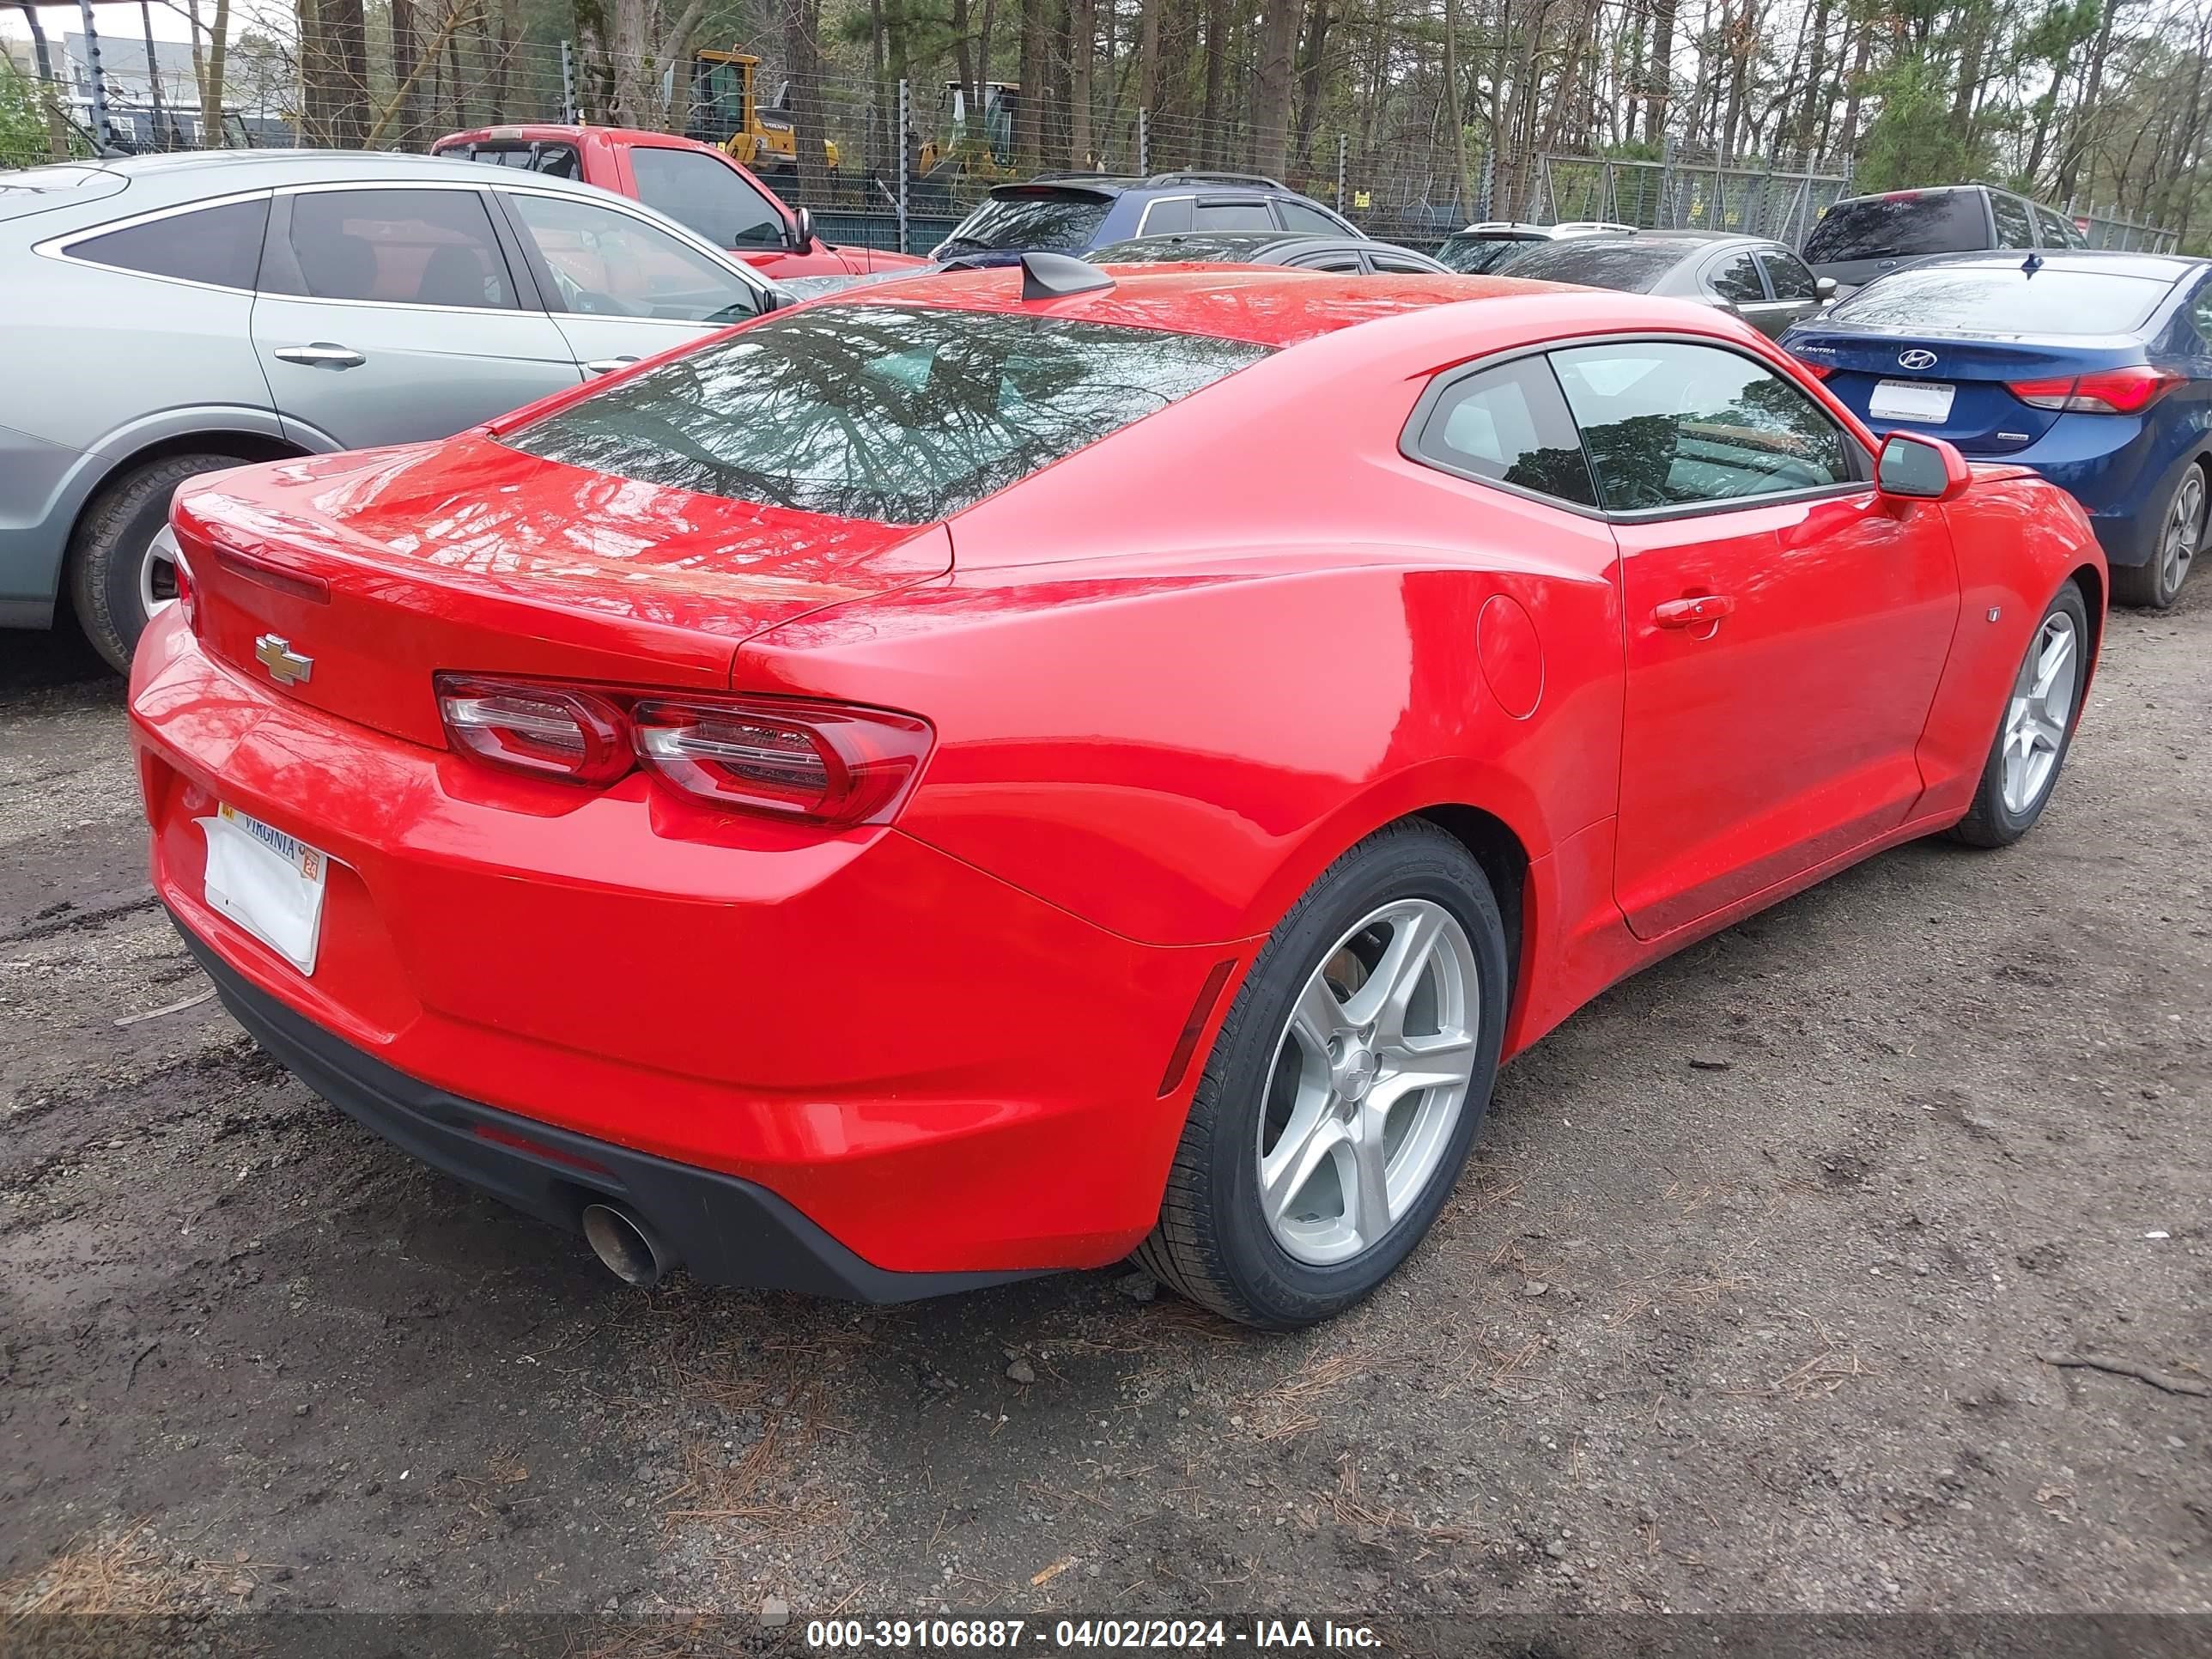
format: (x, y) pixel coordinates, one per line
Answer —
(1918, 357)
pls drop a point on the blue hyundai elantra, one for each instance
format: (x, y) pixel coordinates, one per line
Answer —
(2093, 369)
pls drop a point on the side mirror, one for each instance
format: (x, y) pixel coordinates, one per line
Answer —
(1825, 288)
(1919, 469)
(801, 229)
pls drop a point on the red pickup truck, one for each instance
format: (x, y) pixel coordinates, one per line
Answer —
(691, 183)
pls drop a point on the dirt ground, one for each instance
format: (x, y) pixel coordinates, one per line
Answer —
(1775, 1285)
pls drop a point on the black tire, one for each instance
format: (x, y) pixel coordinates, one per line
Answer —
(2154, 584)
(1990, 822)
(1212, 1243)
(107, 551)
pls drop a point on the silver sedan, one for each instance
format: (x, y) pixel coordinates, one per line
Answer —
(1755, 278)
(174, 315)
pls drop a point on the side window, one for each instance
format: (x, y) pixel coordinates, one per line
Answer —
(1304, 216)
(218, 245)
(709, 194)
(2059, 231)
(1399, 262)
(1336, 259)
(1790, 277)
(1234, 216)
(1510, 425)
(427, 247)
(1676, 425)
(2014, 227)
(1167, 216)
(605, 263)
(2200, 311)
(1736, 279)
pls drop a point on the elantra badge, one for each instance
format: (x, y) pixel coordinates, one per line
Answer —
(286, 666)
(1918, 357)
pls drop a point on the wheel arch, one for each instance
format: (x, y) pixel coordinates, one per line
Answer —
(1492, 844)
(249, 433)
(1501, 826)
(2096, 593)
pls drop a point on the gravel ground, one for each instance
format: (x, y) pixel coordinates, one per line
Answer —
(1776, 1285)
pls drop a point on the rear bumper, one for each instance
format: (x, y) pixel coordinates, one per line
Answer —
(723, 1230)
(938, 1072)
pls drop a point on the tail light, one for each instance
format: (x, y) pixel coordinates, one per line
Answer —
(2106, 392)
(551, 731)
(818, 763)
(1818, 371)
(821, 761)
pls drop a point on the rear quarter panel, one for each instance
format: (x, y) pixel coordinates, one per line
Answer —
(1169, 688)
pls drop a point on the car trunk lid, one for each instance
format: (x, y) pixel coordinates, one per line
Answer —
(383, 568)
(1893, 380)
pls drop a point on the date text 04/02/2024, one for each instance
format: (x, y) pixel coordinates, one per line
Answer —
(1143, 1635)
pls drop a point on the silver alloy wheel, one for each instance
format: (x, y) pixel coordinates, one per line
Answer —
(157, 573)
(2177, 542)
(1369, 1079)
(2037, 717)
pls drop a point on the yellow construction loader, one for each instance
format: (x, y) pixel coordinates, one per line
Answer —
(726, 113)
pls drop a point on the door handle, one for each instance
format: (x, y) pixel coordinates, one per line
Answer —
(607, 365)
(321, 354)
(1706, 609)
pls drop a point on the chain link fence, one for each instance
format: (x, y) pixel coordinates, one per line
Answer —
(900, 161)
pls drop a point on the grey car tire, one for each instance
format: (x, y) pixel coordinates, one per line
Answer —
(110, 548)
(1214, 1242)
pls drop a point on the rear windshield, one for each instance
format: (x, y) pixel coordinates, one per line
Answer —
(892, 413)
(1633, 267)
(559, 159)
(1904, 226)
(1480, 254)
(1056, 222)
(2005, 299)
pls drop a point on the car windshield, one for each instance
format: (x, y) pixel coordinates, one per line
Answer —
(1633, 267)
(1221, 248)
(1905, 225)
(1047, 222)
(1478, 253)
(899, 414)
(2006, 299)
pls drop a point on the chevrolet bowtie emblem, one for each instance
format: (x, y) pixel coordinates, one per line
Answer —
(286, 666)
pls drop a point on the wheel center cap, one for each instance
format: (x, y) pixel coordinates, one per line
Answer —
(1355, 1074)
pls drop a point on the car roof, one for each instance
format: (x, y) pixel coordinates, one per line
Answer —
(2162, 267)
(1919, 190)
(1113, 184)
(185, 174)
(1263, 305)
(566, 132)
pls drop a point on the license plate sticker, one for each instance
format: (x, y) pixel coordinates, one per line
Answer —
(269, 882)
(1912, 400)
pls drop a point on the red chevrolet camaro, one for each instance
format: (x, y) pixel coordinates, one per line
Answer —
(1017, 768)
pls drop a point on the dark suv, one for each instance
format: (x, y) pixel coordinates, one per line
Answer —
(1863, 236)
(1079, 212)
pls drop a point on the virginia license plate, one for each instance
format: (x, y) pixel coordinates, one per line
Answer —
(1912, 400)
(269, 882)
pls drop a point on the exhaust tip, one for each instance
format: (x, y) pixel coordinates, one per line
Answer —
(625, 1245)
